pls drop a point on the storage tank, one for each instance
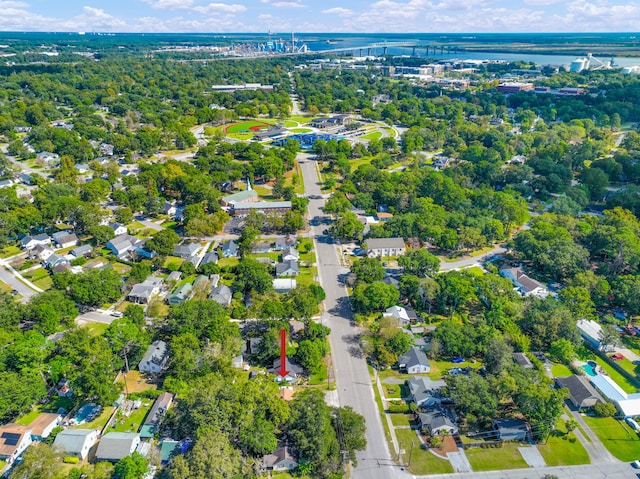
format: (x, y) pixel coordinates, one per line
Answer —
(578, 65)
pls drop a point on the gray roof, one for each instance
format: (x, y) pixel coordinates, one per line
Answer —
(221, 294)
(156, 353)
(210, 257)
(185, 250)
(522, 360)
(81, 250)
(174, 276)
(414, 357)
(72, 440)
(229, 245)
(509, 427)
(384, 243)
(291, 366)
(287, 267)
(123, 241)
(240, 196)
(579, 387)
(423, 388)
(116, 445)
(159, 408)
(262, 205)
(141, 291)
(435, 419)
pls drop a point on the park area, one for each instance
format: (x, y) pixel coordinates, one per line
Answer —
(247, 126)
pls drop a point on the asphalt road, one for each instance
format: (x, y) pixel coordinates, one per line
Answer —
(16, 284)
(591, 471)
(353, 382)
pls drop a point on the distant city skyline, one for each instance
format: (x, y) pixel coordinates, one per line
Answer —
(383, 16)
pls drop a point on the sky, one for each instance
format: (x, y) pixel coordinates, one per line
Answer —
(385, 16)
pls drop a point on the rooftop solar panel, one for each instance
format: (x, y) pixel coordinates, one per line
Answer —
(10, 438)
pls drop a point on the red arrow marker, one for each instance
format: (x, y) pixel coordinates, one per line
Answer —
(283, 353)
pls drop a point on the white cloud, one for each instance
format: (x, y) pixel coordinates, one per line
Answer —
(12, 4)
(284, 3)
(169, 4)
(220, 8)
(342, 12)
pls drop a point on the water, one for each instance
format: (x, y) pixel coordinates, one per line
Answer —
(590, 368)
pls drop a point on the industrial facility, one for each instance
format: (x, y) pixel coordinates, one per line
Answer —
(590, 63)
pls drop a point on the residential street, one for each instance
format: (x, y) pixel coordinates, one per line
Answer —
(353, 382)
(10, 276)
(594, 471)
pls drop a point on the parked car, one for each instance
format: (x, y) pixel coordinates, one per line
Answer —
(634, 425)
(636, 464)
(617, 357)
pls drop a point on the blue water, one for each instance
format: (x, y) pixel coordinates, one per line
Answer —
(590, 368)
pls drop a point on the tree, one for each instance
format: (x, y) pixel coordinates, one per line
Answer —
(473, 396)
(139, 272)
(419, 262)
(347, 226)
(498, 355)
(609, 335)
(212, 456)
(164, 241)
(19, 392)
(51, 310)
(311, 354)
(131, 467)
(368, 270)
(40, 461)
(96, 287)
(604, 409)
(252, 276)
(373, 297)
(563, 350)
(571, 424)
(353, 429)
(541, 405)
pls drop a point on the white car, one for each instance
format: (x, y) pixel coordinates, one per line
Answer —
(116, 314)
(636, 464)
(634, 425)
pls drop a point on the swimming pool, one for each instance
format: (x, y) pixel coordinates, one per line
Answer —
(590, 368)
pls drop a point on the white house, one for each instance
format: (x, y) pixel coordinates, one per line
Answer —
(14, 439)
(284, 285)
(42, 426)
(155, 359)
(279, 460)
(30, 242)
(385, 247)
(65, 239)
(525, 285)
(118, 229)
(414, 361)
(399, 313)
(591, 332)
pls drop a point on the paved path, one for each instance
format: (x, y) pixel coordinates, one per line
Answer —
(597, 452)
(353, 382)
(591, 471)
(13, 278)
(532, 456)
(459, 461)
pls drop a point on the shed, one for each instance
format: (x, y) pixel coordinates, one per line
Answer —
(76, 442)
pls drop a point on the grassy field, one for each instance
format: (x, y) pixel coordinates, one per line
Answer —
(400, 419)
(560, 370)
(134, 421)
(173, 261)
(231, 262)
(96, 329)
(301, 130)
(9, 251)
(493, 459)
(245, 126)
(616, 436)
(422, 461)
(563, 449)
(374, 135)
(29, 417)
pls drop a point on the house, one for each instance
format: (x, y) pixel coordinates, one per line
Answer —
(246, 196)
(180, 295)
(141, 293)
(260, 248)
(115, 445)
(118, 229)
(156, 413)
(511, 429)
(279, 460)
(229, 249)
(424, 391)
(202, 280)
(627, 404)
(42, 426)
(237, 362)
(581, 393)
(6, 183)
(294, 370)
(266, 207)
(194, 260)
(290, 254)
(123, 245)
(399, 313)
(287, 268)
(81, 251)
(522, 360)
(54, 261)
(221, 294)
(65, 239)
(525, 285)
(284, 242)
(185, 251)
(437, 421)
(414, 361)
(30, 242)
(41, 252)
(82, 168)
(48, 158)
(591, 332)
(76, 442)
(169, 209)
(174, 276)
(64, 390)
(210, 257)
(14, 439)
(391, 281)
(25, 179)
(284, 285)
(155, 359)
(385, 247)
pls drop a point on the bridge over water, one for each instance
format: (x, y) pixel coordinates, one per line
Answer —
(385, 46)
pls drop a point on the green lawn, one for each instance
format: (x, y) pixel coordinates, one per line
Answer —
(560, 370)
(492, 459)
(374, 135)
(475, 271)
(563, 449)
(301, 130)
(629, 367)
(9, 251)
(400, 419)
(29, 417)
(621, 380)
(230, 262)
(134, 421)
(307, 276)
(43, 283)
(422, 461)
(96, 329)
(243, 126)
(616, 436)
(172, 260)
